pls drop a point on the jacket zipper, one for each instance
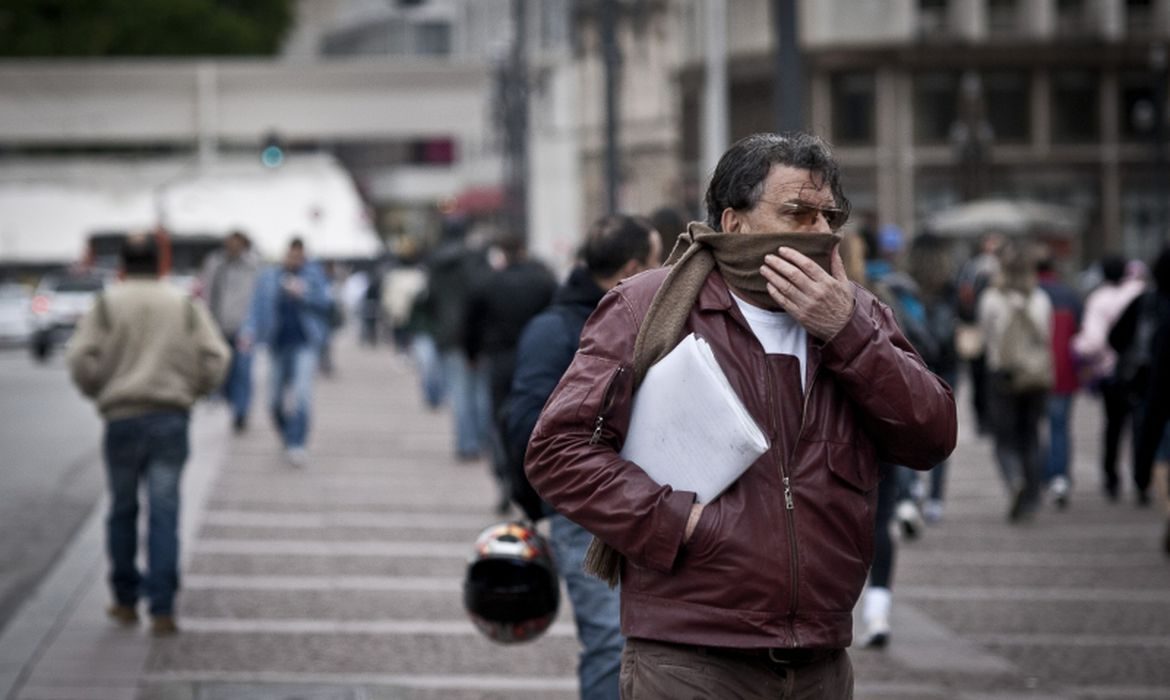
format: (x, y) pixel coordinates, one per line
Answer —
(606, 404)
(788, 500)
(789, 513)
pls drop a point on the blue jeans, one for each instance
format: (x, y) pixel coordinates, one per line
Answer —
(429, 368)
(470, 403)
(1059, 414)
(291, 391)
(151, 447)
(237, 388)
(596, 610)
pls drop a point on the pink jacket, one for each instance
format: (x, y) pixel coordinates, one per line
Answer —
(1103, 307)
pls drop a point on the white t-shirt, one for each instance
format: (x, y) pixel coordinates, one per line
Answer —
(778, 332)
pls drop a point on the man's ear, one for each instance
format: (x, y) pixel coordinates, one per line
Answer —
(631, 268)
(730, 221)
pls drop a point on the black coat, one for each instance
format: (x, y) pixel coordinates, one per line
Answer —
(545, 350)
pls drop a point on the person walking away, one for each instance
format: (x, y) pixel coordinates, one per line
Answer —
(228, 279)
(290, 314)
(1015, 318)
(930, 266)
(404, 290)
(616, 247)
(498, 307)
(453, 269)
(1141, 340)
(1066, 321)
(144, 353)
(748, 595)
(1122, 284)
(974, 277)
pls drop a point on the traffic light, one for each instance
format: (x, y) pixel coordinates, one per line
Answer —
(272, 154)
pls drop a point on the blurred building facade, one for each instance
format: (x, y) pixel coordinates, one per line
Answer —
(929, 103)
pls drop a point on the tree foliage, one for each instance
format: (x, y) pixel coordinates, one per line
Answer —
(143, 27)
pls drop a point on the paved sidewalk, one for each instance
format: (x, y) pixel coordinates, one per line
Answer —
(341, 580)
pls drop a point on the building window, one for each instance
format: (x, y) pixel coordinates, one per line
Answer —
(1074, 107)
(936, 103)
(1003, 17)
(1137, 111)
(432, 38)
(932, 18)
(1072, 18)
(1139, 17)
(854, 96)
(1009, 107)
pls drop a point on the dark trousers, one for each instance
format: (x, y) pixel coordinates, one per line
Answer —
(881, 574)
(150, 449)
(1118, 407)
(1017, 439)
(659, 671)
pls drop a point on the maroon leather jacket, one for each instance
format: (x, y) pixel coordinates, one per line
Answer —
(780, 558)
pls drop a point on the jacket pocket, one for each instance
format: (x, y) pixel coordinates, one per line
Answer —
(854, 463)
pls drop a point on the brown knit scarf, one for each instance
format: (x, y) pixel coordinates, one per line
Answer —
(697, 252)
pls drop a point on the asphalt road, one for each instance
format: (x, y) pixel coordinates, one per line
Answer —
(50, 469)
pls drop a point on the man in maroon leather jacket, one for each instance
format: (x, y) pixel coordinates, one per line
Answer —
(750, 595)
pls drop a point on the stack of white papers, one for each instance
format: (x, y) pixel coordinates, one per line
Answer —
(688, 427)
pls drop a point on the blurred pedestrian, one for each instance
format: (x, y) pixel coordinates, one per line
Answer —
(1066, 322)
(404, 306)
(616, 247)
(291, 311)
(974, 277)
(1015, 318)
(453, 268)
(144, 352)
(1123, 282)
(1141, 338)
(498, 307)
(228, 281)
(708, 611)
(668, 221)
(930, 266)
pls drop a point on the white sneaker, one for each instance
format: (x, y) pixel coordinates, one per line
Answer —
(909, 519)
(1060, 487)
(297, 456)
(875, 613)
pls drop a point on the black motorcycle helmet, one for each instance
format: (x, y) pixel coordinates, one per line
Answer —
(511, 591)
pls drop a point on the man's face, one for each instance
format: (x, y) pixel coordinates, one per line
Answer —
(294, 259)
(235, 246)
(792, 202)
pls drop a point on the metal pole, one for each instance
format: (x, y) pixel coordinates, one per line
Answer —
(516, 123)
(715, 120)
(1161, 66)
(789, 85)
(611, 55)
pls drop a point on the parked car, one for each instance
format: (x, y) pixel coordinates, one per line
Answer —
(15, 324)
(57, 304)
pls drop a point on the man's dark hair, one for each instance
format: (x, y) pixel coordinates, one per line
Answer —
(296, 243)
(668, 222)
(140, 256)
(738, 181)
(612, 241)
(1113, 268)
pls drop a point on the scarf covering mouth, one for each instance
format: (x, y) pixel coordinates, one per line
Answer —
(699, 250)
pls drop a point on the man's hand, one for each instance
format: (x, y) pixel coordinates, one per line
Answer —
(692, 521)
(820, 302)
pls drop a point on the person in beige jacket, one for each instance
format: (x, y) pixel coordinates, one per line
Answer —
(144, 353)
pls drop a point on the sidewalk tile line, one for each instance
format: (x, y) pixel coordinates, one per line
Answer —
(444, 682)
(346, 627)
(441, 521)
(275, 584)
(1031, 594)
(323, 548)
(1072, 640)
